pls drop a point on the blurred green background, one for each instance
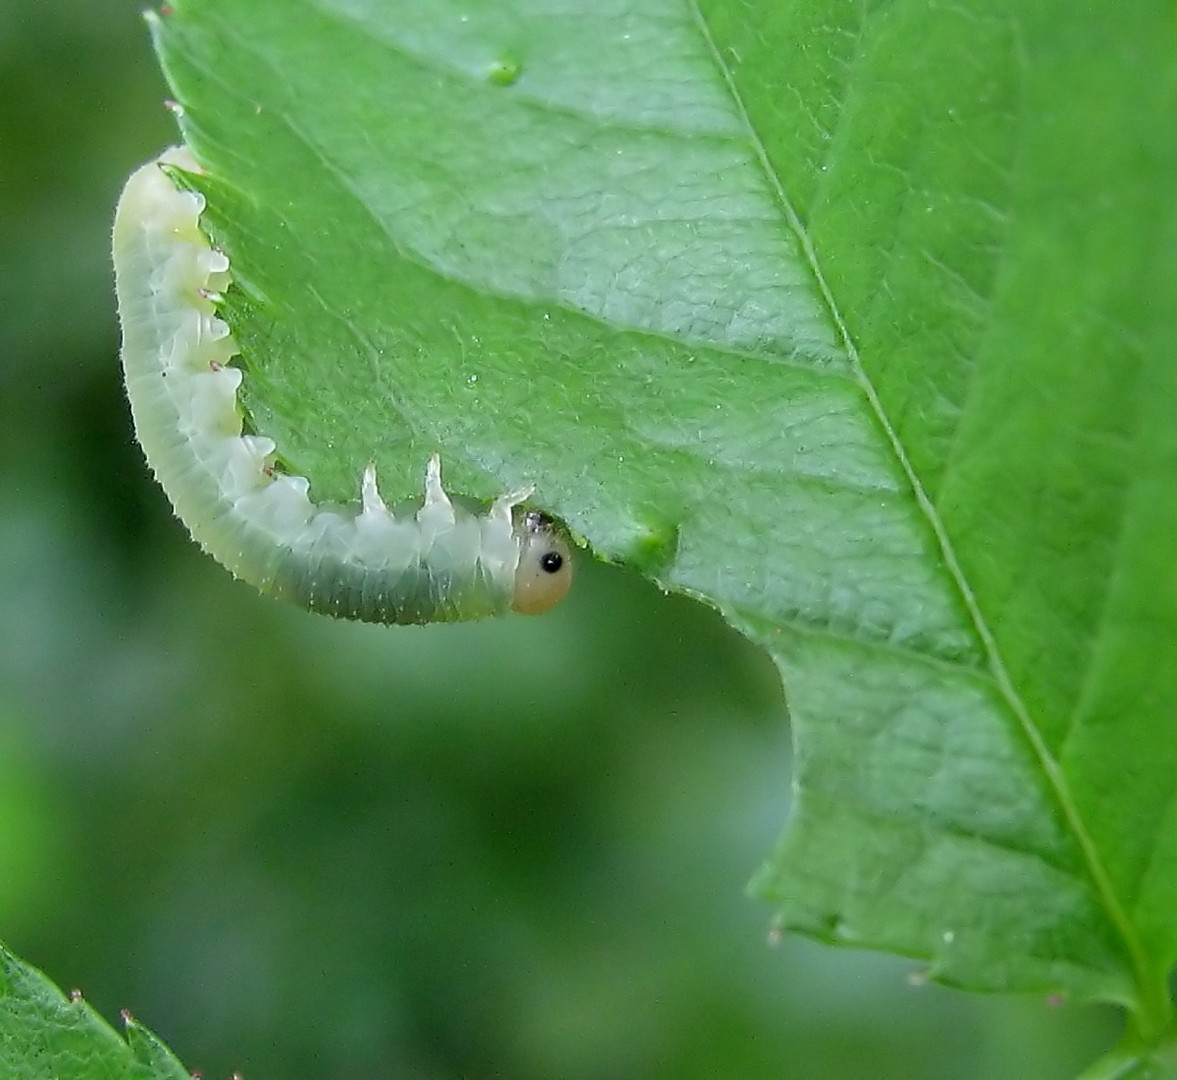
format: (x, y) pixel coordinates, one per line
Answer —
(304, 849)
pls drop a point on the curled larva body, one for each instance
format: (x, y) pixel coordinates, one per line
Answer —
(439, 563)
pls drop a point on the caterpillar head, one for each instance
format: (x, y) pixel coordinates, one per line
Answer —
(544, 572)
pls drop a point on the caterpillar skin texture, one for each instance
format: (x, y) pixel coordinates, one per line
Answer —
(441, 563)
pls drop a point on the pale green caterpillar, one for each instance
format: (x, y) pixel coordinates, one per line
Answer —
(441, 563)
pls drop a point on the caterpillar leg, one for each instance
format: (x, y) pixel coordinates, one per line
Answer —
(500, 509)
(369, 494)
(437, 512)
(434, 493)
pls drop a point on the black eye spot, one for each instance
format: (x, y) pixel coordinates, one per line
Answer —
(551, 561)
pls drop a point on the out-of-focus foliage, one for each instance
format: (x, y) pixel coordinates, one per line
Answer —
(304, 849)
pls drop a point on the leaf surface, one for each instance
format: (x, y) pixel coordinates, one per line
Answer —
(46, 1036)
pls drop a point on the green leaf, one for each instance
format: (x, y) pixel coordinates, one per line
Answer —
(855, 321)
(46, 1036)
(1135, 1065)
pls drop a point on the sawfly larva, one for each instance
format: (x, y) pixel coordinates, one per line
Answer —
(441, 562)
